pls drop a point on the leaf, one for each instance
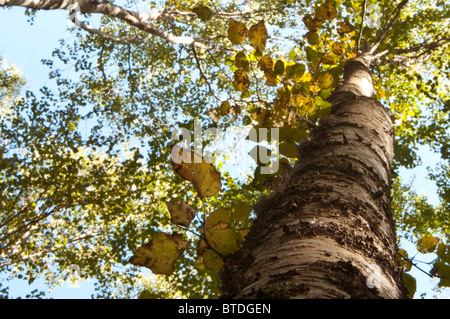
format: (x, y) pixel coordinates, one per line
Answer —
(295, 53)
(160, 254)
(402, 258)
(289, 149)
(242, 211)
(258, 36)
(219, 234)
(181, 212)
(337, 48)
(203, 12)
(212, 260)
(427, 244)
(295, 72)
(312, 38)
(192, 167)
(326, 11)
(266, 64)
(324, 80)
(410, 284)
(345, 27)
(311, 22)
(222, 238)
(237, 32)
(219, 215)
(241, 81)
(241, 61)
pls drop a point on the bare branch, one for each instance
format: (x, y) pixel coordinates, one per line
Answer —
(202, 72)
(388, 27)
(363, 16)
(424, 46)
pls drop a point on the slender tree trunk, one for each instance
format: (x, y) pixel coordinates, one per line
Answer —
(328, 232)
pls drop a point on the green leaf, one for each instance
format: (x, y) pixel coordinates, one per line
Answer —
(203, 12)
(410, 285)
(242, 211)
(160, 254)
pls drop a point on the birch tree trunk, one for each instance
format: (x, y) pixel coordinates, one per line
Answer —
(328, 232)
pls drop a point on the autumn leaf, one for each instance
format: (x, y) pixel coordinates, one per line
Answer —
(181, 212)
(160, 254)
(311, 22)
(219, 234)
(241, 61)
(337, 48)
(266, 64)
(410, 284)
(212, 260)
(194, 168)
(203, 12)
(326, 11)
(295, 71)
(258, 36)
(237, 32)
(324, 80)
(241, 81)
(427, 244)
(242, 211)
(345, 27)
(312, 38)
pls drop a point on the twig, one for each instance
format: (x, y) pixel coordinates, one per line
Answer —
(202, 73)
(384, 33)
(363, 16)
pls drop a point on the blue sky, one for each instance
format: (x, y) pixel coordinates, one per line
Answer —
(25, 45)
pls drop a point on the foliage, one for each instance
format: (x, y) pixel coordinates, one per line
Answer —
(88, 175)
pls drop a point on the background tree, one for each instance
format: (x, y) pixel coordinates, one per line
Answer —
(104, 203)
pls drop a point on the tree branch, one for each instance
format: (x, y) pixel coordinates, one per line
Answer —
(202, 73)
(424, 46)
(363, 16)
(388, 27)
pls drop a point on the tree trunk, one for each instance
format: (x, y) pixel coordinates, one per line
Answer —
(328, 231)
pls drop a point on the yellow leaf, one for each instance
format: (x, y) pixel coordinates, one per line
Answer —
(324, 80)
(237, 32)
(212, 260)
(311, 22)
(326, 11)
(258, 36)
(312, 38)
(427, 244)
(241, 81)
(160, 254)
(193, 167)
(181, 213)
(266, 63)
(337, 48)
(345, 27)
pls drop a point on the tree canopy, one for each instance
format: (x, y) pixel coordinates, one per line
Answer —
(88, 175)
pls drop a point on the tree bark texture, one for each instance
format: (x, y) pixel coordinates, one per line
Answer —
(328, 232)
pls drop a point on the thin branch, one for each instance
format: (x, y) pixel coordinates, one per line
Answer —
(388, 27)
(202, 73)
(110, 37)
(424, 46)
(363, 16)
